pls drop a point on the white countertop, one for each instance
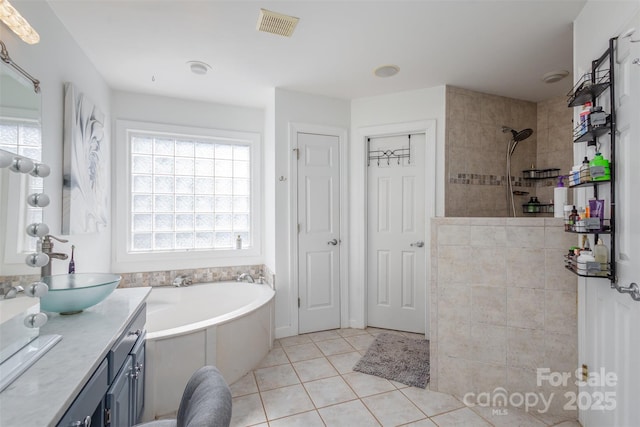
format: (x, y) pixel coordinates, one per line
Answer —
(41, 395)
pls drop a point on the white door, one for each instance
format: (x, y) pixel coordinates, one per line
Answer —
(613, 319)
(396, 258)
(319, 232)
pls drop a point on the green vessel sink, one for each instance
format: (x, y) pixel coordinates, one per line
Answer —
(72, 293)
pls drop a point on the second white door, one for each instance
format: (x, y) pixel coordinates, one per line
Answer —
(396, 256)
(318, 232)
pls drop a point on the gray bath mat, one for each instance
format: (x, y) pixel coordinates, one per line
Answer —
(397, 358)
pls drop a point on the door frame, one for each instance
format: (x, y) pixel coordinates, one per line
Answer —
(360, 185)
(341, 134)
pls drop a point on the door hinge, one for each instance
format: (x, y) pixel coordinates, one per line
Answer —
(298, 228)
(297, 151)
(107, 417)
(298, 302)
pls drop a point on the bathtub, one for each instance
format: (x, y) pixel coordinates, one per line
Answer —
(226, 324)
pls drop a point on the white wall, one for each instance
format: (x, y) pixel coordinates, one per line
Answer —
(403, 107)
(294, 107)
(55, 60)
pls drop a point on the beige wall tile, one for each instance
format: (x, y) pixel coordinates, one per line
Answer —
(530, 277)
(453, 265)
(561, 312)
(485, 376)
(525, 237)
(561, 352)
(453, 235)
(525, 348)
(454, 376)
(489, 305)
(557, 277)
(488, 344)
(525, 308)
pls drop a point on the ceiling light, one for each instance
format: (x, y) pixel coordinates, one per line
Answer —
(10, 16)
(386, 70)
(555, 76)
(276, 23)
(198, 67)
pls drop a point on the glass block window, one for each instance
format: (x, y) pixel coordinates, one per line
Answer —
(188, 193)
(24, 137)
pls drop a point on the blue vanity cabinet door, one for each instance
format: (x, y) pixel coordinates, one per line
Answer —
(119, 397)
(88, 408)
(138, 354)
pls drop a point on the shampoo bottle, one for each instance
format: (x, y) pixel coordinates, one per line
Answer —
(601, 255)
(559, 198)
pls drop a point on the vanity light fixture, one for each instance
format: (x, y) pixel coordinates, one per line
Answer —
(386, 70)
(10, 16)
(40, 170)
(22, 165)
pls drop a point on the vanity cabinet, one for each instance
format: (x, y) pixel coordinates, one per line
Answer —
(114, 395)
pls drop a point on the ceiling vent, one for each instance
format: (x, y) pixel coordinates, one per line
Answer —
(276, 23)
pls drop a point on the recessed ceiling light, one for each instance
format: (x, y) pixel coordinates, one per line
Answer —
(555, 76)
(386, 70)
(198, 67)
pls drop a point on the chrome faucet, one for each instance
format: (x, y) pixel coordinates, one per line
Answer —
(182, 280)
(245, 277)
(47, 248)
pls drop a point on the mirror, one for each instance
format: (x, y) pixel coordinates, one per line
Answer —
(20, 133)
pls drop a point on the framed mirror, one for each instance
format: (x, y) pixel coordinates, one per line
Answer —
(20, 133)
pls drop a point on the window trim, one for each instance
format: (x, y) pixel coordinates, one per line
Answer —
(124, 261)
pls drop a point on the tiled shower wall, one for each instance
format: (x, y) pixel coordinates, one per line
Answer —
(555, 143)
(476, 150)
(502, 305)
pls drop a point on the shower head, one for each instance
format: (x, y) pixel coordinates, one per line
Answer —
(518, 136)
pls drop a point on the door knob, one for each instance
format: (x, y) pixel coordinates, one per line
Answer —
(332, 242)
(418, 244)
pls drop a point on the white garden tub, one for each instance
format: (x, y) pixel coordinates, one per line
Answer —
(226, 324)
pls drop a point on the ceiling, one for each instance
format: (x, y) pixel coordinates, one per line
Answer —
(496, 47)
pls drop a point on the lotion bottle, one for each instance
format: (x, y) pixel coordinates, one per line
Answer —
(601, 255)
(559, 198)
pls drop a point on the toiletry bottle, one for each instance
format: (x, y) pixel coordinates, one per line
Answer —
(599, 168)
(585, 175)
(601, 254)
(559, 198)
(72, 263)
(573, 219)
(239, 242)
(584, 118)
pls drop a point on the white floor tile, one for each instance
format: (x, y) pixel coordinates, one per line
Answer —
(247, 411)
(294, 340)
(323, 335)
(302, 352)
(507, 418)
(275, 357)
(367, 385)
(349, 414)
(431, 402)
(306, 419)
(285, 401)
(347, 332)
(344, 362)
(335, 346)
(329, 391)
(393, 408)
(314, 369)
(245, 385)
(422, 423)
(464, 417)
(360, 342)
(276, 376)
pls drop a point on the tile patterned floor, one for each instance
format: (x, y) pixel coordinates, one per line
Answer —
(307, 381)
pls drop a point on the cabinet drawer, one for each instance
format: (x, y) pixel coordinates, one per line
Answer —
(123, 346)
(89, 402)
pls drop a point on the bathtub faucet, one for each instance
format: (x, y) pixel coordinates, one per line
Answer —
(245, 277)
(182, 280)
